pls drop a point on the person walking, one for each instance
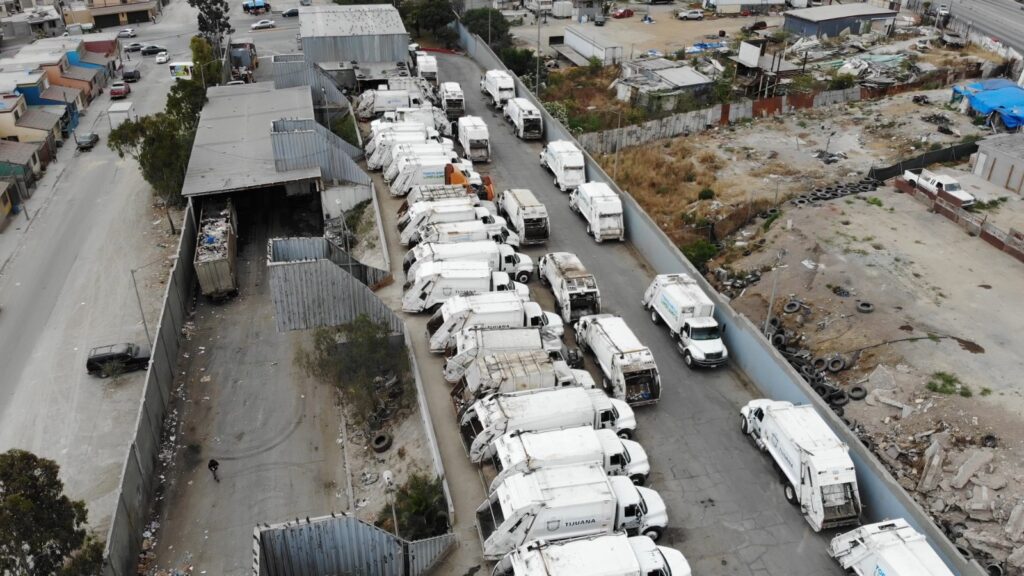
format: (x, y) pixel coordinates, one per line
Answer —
(213, 465)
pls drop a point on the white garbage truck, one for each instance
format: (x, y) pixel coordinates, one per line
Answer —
(503, 372)
(470, 231)
(431, 192)
(538, 411)
(453, 100)
(604, 555)
(497, 87)
(433, 170)
(391, 162)
(426, 67)
(385, 141)
(628, 367)
(502, 257)
(575, 289)
(565, 161)
(679, 302)
(474, 138)
(524, 214)
(518, 452)
(526, 120)
(436, 282)
(564, 502)
(817, 472)
(473, 342)
(442, 211)
(601, 208)
(488, 310)
(892, 548)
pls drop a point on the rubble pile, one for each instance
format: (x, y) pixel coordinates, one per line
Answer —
(213, 238)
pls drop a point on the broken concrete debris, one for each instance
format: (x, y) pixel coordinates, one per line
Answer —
(976, 460)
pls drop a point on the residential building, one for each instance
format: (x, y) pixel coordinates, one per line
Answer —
(6, 201)
(78, 53)
(34, 22)
(835, 19)
(118, 13)
(659, 84)
(19, 123)
(57, 68)
(20, 160)
(367, 33)
(35, 87)
(761, 73)
(1000, 160)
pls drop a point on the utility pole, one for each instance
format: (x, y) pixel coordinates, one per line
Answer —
(536, 79)
(775, 283)
(618, 144)
(142, 313)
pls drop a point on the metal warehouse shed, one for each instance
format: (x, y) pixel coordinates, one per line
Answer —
(1000, 160)
(360, 33)
(738, 6)
(836, 19)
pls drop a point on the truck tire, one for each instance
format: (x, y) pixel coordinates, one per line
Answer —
(688, 360)
(654, 317)
(626, 434)
(652, 532)
(789, 492)
(744, 426)
(523, 277)
(637, 479)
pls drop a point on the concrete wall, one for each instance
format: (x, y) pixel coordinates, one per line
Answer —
(1001, 168)
(751, 353)
(138, 486)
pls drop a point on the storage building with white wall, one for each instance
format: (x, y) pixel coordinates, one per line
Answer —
(1000, 160)
(363, 33)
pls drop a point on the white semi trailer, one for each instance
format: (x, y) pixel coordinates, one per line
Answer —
(538, 411)
(564, 502)
(518, 452)
(817, 472)
(628, 366)
(678, 301)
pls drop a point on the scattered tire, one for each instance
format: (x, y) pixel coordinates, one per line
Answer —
(800, 201)
(994, 569)
(821, 390)
(775, 323)
(836, 364)
(778, 339)
(772, 211)
(381, 442)
(865, 307)
(819, 363)
(965, 552)
(839, 398)
(849, 423)
(857, 392)
(838, 410)
(989, 441)
(791, 307)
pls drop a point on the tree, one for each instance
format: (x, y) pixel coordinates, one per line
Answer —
(185, 102)
(40, 527)
(433, 15)
(213, 19)
(207, 64)
(87, 560)
(420, 507)
(477, 21)
(161, 145)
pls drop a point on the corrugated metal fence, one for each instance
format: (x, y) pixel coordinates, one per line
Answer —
(605, 142)
(314, 283)
(137, 484)
(304, 143)
(751, 353)
(329, 546)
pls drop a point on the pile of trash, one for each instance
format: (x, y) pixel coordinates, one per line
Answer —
(214, 235)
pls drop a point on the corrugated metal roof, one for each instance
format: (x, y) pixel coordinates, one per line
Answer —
(834, 11)
(357, 20)
(683, 76)
(38, 120)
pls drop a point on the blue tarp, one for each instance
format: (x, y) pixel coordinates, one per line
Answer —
(997, 95)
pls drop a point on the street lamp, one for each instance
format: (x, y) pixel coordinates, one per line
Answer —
(138, 299)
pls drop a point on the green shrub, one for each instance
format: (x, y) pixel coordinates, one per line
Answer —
(706, 193)
(699, 253)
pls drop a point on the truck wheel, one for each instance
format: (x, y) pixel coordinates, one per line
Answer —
(654, 316)
(543, 280)
(789, 492)
(653, 533)
(744, 426)
(625, 434)
(523, 277)
(688, 359)
(637, 479)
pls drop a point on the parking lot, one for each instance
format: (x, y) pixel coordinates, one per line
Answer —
(726, 508)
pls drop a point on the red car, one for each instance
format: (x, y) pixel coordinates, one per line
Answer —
(622, 13)
(119, 90)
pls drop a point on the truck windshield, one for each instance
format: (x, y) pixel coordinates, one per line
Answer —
(709, 333)
(478, 143)
(952, 187)
(643, 504)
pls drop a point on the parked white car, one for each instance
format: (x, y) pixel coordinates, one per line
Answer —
(162, 58)
(126, 33)
(260, 25)
(690, 15)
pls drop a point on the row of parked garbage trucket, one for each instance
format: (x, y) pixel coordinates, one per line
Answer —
(565, 480)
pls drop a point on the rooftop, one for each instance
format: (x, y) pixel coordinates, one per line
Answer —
(81, 73)
(835, 11)
(355, 20)
(38, 119)
(35, 15)
(61, 93)
(232, 149)
(660, 74)
(62, 43)
(1009, 144)
(17, 152)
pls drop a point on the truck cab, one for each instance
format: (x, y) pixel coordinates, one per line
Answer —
(700, 343)
(678, 301)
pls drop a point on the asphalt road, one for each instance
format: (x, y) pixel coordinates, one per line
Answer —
(1003, 20)
(726, 508)
(65, 286)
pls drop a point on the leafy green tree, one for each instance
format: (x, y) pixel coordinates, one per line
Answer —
(40, 527)
(213, 20)
(699, 253)
(207, 65)
(420, 508)
(842, 81)
(476, 21)
(162, 146)
(87, 560)
(433, 15)
(185, 102)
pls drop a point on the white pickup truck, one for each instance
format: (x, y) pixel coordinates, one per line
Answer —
(937, 183)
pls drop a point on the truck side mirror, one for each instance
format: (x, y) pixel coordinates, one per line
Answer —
(722, 329)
